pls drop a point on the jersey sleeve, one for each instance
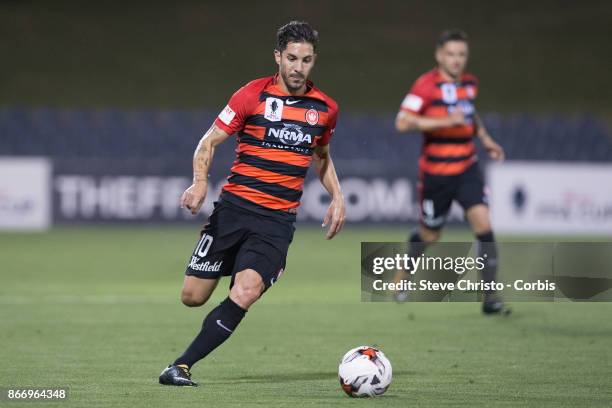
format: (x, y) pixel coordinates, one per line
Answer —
(331, 126)
(417, 100)
(238, 109)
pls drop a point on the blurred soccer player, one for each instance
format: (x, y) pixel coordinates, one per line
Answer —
(283, 122)
(441, 105)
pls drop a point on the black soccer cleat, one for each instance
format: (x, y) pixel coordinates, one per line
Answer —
(494, 305)
(178, 375)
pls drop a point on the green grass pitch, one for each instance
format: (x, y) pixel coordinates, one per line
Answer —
(97, 309)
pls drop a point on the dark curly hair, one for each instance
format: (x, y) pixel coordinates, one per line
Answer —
(296, 31)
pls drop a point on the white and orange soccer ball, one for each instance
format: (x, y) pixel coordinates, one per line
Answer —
(365, 372)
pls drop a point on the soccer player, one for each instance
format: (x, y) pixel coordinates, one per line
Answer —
(282, 122)
(441, 105)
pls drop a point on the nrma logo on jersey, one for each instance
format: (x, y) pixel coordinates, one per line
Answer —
(290, 135)
(466, 107)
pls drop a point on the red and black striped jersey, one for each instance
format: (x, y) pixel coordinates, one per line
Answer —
(450, 150)
(277, 133)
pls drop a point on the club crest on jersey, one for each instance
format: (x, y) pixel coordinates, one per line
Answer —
(312, 116)
(470, 91)
(274, 109)
(449, 93)
(290, 134)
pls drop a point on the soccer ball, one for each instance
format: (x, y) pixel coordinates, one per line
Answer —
(365, 372)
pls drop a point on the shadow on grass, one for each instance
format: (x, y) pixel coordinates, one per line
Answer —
(290, 377)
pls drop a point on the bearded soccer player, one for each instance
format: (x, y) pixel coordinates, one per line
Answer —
(441, 105)
(282, 122)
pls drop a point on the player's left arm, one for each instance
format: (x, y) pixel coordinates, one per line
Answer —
(329, 178)
(496, 152)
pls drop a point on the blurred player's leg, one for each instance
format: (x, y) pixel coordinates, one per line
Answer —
(417, 244)
(436, 196)
(426, 236)
(196, 291)
(479, 219)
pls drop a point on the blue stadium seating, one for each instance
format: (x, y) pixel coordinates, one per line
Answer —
(166, 133)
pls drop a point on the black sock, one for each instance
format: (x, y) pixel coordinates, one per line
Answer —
(487, 249)
(217, 327)
(416, 245)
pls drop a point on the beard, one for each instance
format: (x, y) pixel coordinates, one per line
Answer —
(293, 82)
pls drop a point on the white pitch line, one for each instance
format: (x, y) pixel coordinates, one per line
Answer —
(87, 299)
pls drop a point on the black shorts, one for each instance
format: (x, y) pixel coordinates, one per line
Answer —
(438, 192)
(235, 239)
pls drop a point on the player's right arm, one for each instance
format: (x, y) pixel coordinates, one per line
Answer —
(194, 196)
(407, 121)
(411, 114)
(230, 120)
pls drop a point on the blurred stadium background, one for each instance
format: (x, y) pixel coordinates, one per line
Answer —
(101, 106)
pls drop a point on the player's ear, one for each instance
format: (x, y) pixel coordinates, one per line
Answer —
(277, 56)
(438, 54)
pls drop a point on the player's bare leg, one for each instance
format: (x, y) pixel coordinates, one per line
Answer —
(480, 221)
(429, 235)
(218, 326)
(196, 291)
(248, 287)
(418, 241)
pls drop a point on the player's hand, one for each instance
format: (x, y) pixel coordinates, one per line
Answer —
(496, 152)
(456, 118)
(193, 197)
(335, 214)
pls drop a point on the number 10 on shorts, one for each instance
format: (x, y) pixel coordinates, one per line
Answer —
(204, 245)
